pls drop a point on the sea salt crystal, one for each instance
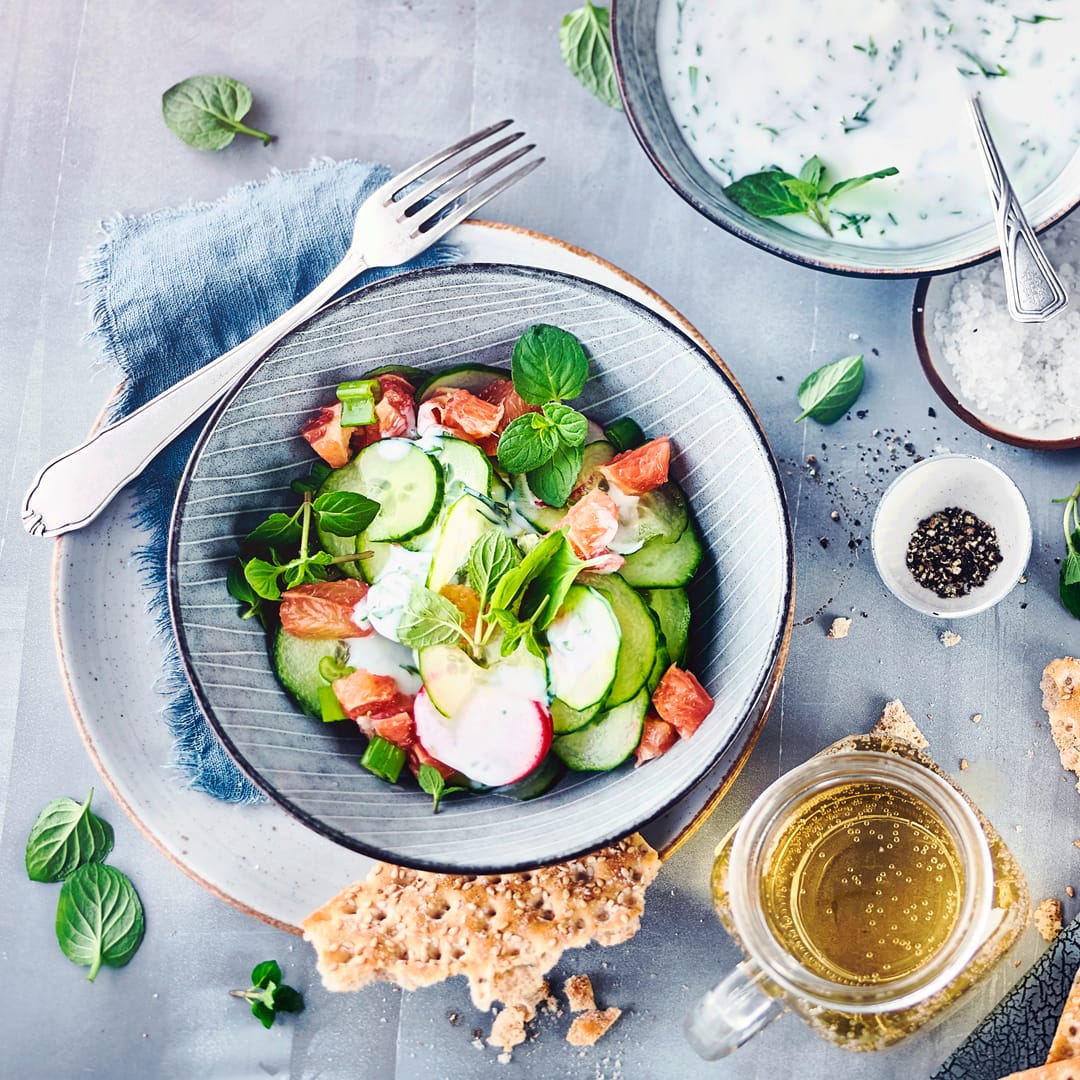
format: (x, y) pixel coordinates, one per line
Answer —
(1022, 374)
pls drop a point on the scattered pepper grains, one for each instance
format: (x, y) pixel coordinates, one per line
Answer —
(952, 552)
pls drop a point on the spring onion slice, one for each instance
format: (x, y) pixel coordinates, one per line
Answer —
(383, 758)
(358, 402)
(329, 705)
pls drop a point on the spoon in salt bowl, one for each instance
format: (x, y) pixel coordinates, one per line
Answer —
(1033, 290)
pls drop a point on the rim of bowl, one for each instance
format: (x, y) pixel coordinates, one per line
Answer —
(1006, 481)
(933, 376)
(610, 836)
(736, 229)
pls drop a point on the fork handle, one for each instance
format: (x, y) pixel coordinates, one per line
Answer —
(71, 490)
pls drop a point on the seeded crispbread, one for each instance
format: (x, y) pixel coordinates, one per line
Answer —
(1066, 1042)
(502, 932)
(579, 993)
(896, 723)
(589, 1026)
(1047, 918)
(1061, 700)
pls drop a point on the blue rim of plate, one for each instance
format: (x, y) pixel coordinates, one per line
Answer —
(606, 837)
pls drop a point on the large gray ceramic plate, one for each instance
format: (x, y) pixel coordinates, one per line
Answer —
(251, 450)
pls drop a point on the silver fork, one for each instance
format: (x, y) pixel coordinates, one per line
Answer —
(391, 227)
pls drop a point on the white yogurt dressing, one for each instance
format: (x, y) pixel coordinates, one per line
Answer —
(866, 84)
(380, 656)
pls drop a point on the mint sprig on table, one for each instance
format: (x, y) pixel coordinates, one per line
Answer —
(775, 193)
(827, 393)
(585, 43)
(206, 111)
(1069, 574)
(268, 994)
(99, 917)
(548, 366)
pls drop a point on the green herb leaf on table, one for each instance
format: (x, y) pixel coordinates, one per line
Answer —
(99, 918)
(430, 619)
(431, 781)
(344, 513)
(65, 836)
(585, 42)
(548, 364)
(1069, 574)
(554, 479)
(206, 111)
(827, 393)
(527, 442)
(570, 425)
(268, 995)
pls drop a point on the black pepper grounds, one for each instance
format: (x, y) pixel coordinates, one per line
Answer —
(952, 552)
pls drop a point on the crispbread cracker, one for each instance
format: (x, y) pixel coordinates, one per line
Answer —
(1047, 918)
(1066, 1042)
(579, 993)
(502, 932)
(896, 723)
(591, 1025)
(1068, 1069)
(1061, 700)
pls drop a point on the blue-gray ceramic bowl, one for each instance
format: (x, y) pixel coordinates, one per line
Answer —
(633, 32)
(251, 450)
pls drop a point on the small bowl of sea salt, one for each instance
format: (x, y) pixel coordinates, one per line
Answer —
(1016, 382)
(951, 535)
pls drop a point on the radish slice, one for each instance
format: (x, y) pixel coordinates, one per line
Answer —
(494, 737)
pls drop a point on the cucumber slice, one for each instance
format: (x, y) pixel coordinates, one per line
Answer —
(543, 778)
(608, 741)
(662, 565)
(464, 465)
(593, 456)
(343, 545)
(625, 433)
(583, 642)
(466, 521)
(471, 377)
(637, 626)
(372, 567)
(405, 482)
(564, 719)
(538, 514)
(296, 661)
(413, 375)
(660, 665)
(672, 608)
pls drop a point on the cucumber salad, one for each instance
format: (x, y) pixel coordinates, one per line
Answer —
(488, 582)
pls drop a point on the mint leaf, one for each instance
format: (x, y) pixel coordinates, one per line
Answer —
(319, 472)
(513, 583)
(548, 364)
(527, 442)
(570, 425)
(431, 781)
(267, 995)
(554, 480)
(239, 589)
(266, 972)
(344, 513)
(765, 194)
(827, 393)
(1070, 569)
(491, 556)
(430, 619)
(205, 111)
(263, 578)
(856, 182)
(99, 918)
(277, 529)
(551, 583)
(813, 172)
(64, 837)
(585, 43)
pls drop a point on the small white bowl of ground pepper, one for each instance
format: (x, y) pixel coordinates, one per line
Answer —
(951, 535)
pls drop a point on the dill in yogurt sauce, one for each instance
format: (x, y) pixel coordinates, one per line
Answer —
(865, 82)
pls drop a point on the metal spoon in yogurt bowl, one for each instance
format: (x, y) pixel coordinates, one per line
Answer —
(1033, 290)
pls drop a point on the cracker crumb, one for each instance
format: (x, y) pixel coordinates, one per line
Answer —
(1070, 891)
(1060, 681)
(590, 1026)
(579, 993)
(896, 723)
(963, 764)
(1048, 918)
(840, 627)
(508, 1028)
(1076, 843)
(949, 639)
(505, 1058)
(977, 718)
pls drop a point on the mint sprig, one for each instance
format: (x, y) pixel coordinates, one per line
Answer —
(1069, 574)
(431, 781)
(268, 995)
(776, 193)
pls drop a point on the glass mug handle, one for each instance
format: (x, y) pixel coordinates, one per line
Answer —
(730, 1013)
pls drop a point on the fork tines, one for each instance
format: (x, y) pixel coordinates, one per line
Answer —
(421, 192)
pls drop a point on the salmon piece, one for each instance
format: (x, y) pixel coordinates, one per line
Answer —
(395, 413)
(466, 601)
(657, 737)
(363, 694)
(682, 701)
(591, 524)
(502, 392)
(324, 609)
(461, 414)
(399, 728)
(327, 437)
(637, 471)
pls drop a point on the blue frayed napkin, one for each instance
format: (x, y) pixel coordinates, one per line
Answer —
(1018, 1033)
(173, 290)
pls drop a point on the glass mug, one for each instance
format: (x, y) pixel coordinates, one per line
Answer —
(867, 894)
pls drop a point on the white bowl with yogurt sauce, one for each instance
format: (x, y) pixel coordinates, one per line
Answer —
(715, 92)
